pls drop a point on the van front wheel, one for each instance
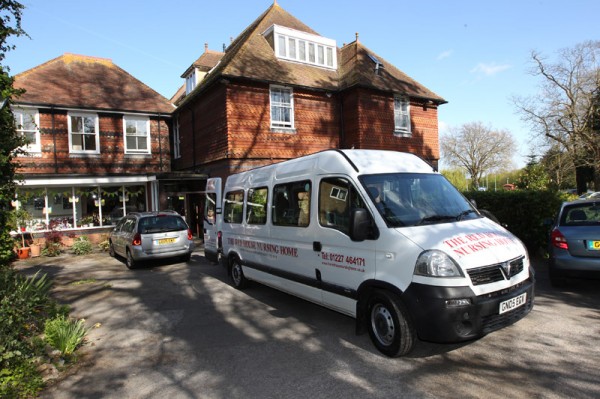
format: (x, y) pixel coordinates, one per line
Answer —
(236, 273)
(390, 328)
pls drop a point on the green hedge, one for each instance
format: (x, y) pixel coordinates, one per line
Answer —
(522, 212)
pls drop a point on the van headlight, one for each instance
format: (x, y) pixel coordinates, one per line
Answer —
(435, 263)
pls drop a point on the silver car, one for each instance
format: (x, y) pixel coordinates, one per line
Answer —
(151, 235)
(574, 246)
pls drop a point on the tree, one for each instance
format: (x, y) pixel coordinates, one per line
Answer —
(559, 167)
(10, 141)
(533, 176)
(478, 149)
(567, 108)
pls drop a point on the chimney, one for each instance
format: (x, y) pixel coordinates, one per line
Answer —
(205, 47)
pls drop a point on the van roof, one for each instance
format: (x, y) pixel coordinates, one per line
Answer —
(334, 161)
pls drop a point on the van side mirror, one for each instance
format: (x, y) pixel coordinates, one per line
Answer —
(360, 224)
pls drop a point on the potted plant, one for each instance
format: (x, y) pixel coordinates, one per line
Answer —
(36, 247)
(19, 219)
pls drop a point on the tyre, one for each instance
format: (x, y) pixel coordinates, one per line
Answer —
(237, 274)
(129, 261)
(389, 326)
(111, 250)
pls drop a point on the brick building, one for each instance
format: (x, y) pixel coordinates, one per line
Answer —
(98, 139)
(280, 90)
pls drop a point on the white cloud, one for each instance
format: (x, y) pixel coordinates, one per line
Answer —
(444, 54)
(490, 69)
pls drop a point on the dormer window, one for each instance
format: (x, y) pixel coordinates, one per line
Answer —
(294, 45)
(190, 82)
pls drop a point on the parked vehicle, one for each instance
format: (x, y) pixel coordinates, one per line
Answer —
(379, 236)
(574, 247)
(590, 195)
(144, 236)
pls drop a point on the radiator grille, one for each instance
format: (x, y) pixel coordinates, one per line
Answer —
(497, 272)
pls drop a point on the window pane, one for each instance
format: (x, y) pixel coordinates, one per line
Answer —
(311, 52)
(130, 127)
(130, 140)
(257, 206)
(301, 50)
(292, 47)
(90, 142)
(321, 55)
(142, 143)
(232, 212)
(76, 124)
(90, 124)
(31, 137)
(291, 204)
(281, 42)
(329, 56)
(77, 142)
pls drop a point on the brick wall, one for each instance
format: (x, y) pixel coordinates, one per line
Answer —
(55, 157)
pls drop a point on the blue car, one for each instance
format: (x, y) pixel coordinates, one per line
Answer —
(574, 246)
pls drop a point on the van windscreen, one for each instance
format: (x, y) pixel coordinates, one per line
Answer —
(411, 199)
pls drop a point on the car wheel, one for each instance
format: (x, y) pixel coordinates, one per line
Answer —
(129, 261)
(237, 274)
(389, 327)
(111, 250)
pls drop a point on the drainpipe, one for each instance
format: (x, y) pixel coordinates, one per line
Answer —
(193, 138)
(159, 146)
(54, 139)
(342, 132)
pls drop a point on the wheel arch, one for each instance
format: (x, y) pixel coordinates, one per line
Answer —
(363, 294)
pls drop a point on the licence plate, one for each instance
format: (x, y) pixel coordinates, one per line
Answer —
(594, 245)
(166, 241)
(513, 303)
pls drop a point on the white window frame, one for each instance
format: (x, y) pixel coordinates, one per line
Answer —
(190, 82)
(96, 132)
(324, 50)
(399, 128)
(176, 140)
(277, 124)
(19, 114)
(144, 120)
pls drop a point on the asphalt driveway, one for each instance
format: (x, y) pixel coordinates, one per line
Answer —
(181, 331)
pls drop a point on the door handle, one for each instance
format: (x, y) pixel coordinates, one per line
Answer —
(317, 246)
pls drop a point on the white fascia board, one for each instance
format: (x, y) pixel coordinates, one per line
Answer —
(86, 181)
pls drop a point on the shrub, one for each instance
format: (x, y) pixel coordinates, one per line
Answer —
(24, 305)
(82, 246)
(104, 244)
(53, 247)
(523, 212)
(65, 334)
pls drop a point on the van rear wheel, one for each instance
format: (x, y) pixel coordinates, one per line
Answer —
(390, 328)
(237, 274)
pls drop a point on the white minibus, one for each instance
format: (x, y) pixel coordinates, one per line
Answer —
(377, 235)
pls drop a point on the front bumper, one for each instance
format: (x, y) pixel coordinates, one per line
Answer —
(435, 321)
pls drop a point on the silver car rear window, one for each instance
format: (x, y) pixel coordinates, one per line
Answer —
(161, 224)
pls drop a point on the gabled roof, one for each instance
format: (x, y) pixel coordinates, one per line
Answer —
(207, 61)
(78, 81)
(359, 66)
(250, 56)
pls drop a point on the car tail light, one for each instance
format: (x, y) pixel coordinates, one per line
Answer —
(558, 240)
(190, 235)
(137, 239)
(219, 240)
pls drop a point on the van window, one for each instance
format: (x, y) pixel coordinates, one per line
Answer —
(337, 197)
(411, 199)
(291, 204)
(234, 206)
(210, 208)
(256, 208)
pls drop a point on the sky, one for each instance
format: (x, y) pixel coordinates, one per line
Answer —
(476, 54)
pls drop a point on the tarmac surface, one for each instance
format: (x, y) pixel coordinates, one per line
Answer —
(179, 330)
